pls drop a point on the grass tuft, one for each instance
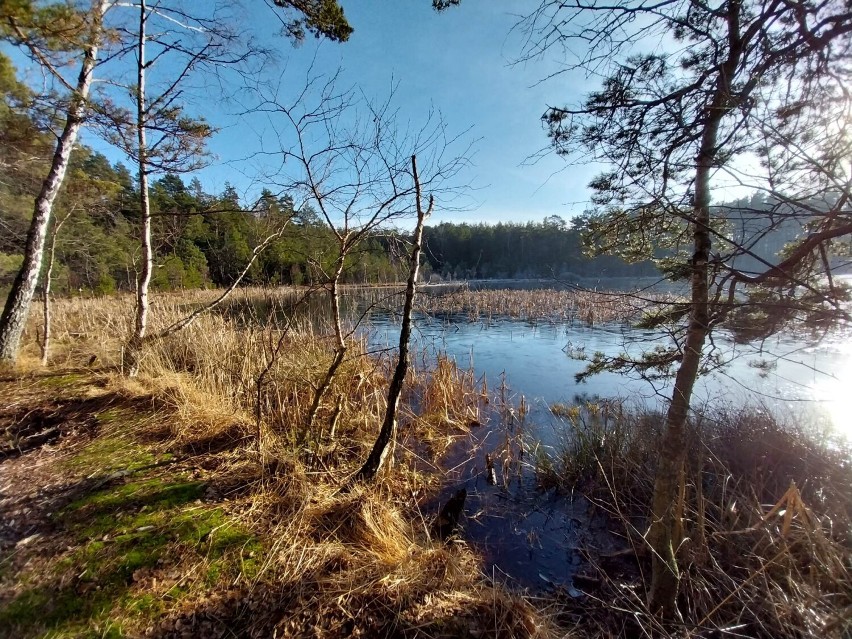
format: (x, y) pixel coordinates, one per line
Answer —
(766, 520)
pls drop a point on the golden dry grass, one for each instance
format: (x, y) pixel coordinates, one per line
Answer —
(761, 556)
(229, 398)
(588, 307)
(766, 536)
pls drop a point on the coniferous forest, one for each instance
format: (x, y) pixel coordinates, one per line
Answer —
(205, 240)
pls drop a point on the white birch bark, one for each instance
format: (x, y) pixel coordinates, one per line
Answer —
(19, 301)
(143, 282)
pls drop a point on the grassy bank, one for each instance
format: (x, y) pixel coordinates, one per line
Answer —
(190, 502)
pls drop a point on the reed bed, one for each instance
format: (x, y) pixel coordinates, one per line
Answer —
(765, 546)
(257, 360)
(766, 530)
(586, 307)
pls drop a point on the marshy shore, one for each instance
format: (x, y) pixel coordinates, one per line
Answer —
(191, 501)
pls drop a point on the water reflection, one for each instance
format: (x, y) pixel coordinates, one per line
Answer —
(786, 376)
(835, 392)
(538, 539)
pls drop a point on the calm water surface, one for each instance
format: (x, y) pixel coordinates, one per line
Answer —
(786, 375)
(535, 539)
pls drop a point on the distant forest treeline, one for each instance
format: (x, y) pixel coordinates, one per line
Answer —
(204, 239)
(201, 239)
(550, 248)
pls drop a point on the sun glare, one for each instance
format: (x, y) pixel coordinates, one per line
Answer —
(835, 394)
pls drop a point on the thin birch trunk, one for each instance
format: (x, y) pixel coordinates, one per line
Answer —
(340, 346)
(383, 447)
(17, 309)
(134, 348)
(45, 301)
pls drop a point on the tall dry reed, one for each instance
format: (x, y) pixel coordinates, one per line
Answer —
(765, 534)
(587, 307)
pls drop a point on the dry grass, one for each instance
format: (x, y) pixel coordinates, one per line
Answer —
(587, 307)
(766, 538)
(230, 398)
(761, 556)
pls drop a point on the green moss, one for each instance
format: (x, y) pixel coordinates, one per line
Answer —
(156, 492)
(108, 454)
(129, 525)
(62, 381)
(115, 448)
(214, 572)
(134, 509)
(65, 612)
(103, 592)
(144, 605)
(250, 568)
(119, 543)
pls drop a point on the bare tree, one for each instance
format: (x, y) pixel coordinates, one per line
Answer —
(348, 158)
(194, 41)
(134, 347)
(157, 134)
(387, 434)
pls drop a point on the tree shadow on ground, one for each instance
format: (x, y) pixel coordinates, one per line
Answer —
(27, 425)
(87, 510)
(101, 552)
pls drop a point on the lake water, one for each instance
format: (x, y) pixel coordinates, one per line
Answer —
(537, 539)
(788, 376)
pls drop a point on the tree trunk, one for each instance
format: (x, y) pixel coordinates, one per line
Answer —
(387, 434)
(662, 597)
(134, 348)
(17, 309)
(340, 348)
(48, 275)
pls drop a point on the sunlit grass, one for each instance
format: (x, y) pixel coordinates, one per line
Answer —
(203, 500)
(198, 503)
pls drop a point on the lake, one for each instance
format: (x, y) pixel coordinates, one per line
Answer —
(785, 375)
(538, 539)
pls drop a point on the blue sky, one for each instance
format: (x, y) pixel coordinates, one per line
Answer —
(458, 62)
